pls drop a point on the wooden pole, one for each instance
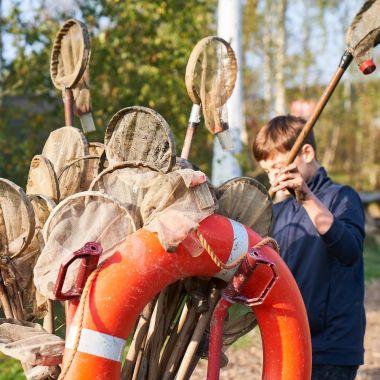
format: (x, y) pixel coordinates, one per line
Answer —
(191, 129)
(48, 323)
(138, 342)
(181, 344)
(173, 339)
(344, 63)
(189, 360)
(4, 299)
(68, 101)
(190, 132)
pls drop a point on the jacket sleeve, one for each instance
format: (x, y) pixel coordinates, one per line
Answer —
(344, 239)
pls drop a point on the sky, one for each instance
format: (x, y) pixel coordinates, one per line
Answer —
(27, 8)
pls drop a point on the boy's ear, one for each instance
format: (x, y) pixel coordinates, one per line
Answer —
(308, 153)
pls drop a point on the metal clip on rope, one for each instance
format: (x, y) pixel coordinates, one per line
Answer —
(89, 254)
(232, 293)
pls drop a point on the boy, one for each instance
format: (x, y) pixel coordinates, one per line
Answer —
(320, 233)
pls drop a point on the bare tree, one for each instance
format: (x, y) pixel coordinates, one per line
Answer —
(279, 56)
(267, 58)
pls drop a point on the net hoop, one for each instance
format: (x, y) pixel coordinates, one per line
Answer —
(254, 207)
(20, 218)
(42, 178)
(69, 80)
(96, 184)
(50, 223)
(192, 64)
(117, 152)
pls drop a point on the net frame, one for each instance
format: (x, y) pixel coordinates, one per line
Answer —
(33, 186)
(28, 212)
(63, 204)
(68, 81)
(194, 60)
(228, 191)
(364, 32)
(114, 125)
(72, 224)
(76, 148)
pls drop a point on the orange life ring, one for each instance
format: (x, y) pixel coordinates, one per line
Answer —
(140, 268)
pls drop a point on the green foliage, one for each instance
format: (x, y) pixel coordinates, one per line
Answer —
(347, 132)
(10, 369)
(139, 55)
(371, 259)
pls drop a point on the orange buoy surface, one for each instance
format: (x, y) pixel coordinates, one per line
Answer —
(141, 268)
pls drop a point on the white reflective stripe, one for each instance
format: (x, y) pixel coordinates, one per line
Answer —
(239, 246)
(96, 343)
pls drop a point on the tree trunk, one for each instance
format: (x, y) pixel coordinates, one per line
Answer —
(279, 57)
(267, 60)
(330, 152)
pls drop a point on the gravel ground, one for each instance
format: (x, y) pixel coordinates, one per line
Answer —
(245, 359)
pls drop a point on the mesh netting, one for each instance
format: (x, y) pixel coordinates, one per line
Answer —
(175, 204)
(210, 79)
(63, 146)
(170, 204)
(42, 178)
(43, 206)
(254, 208)
(29, 342)
(95, 151)
(81, 218)
(82, 102)
(364, 32)
(82, 95)
(140, 135)
(16, 219)
(127, 184)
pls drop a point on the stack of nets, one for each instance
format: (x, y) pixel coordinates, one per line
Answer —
(79, 191)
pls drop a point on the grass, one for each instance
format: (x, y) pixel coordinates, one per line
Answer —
(371, 259)
(10, 369)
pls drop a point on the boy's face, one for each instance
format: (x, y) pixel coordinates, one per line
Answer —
(303, 160)
(273, 166)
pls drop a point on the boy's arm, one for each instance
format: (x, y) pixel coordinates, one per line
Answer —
(290, 178)
(342, 228)
(345, 237)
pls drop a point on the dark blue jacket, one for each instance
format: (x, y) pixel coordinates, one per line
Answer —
(328, 269)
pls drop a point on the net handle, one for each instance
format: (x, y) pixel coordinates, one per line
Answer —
(345, 61)
(325, 97)
(192, 64)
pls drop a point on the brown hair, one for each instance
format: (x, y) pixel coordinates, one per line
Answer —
(279, 135)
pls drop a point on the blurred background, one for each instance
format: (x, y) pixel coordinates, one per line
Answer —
(139, 54)
(289, 51)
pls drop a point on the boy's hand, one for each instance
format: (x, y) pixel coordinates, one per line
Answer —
(291, 179)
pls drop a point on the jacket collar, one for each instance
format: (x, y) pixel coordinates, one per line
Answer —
(318, 181)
